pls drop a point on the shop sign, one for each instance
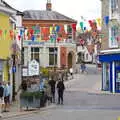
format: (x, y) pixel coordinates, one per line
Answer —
(14, 69)
(33, 43)
(25, 72)
(33, 68)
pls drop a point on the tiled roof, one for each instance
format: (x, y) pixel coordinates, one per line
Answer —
(45, 15)
(5, 4)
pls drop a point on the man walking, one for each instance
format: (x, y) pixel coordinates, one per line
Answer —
(52, 84)
(6, 97)
(60, 89)
(71, 72)
(1, 98)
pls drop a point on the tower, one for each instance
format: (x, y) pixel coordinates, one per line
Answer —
(49, 5)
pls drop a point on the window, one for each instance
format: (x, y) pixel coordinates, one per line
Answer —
(86, 56)
(52, 56)
(114, 5)
(35, 53)
(22, 57)
(114, 33)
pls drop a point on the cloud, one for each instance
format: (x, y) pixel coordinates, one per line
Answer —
(72, 8)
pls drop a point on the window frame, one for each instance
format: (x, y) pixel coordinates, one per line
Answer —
(51, 53)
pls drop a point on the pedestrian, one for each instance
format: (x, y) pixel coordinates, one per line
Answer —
(1, 98)
(6, 97)
(71, 72)
(24, 85)
(60, 89)
(83, 68)
(9, 94)
(52, 84)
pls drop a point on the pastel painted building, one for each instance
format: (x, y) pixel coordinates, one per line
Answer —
(10, 69)
(5, 40)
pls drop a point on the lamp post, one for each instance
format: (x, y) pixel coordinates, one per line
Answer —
(13, 76)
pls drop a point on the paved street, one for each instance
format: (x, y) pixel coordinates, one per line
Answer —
(83, 100)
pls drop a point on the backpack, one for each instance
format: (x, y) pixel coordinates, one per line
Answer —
(1, 91)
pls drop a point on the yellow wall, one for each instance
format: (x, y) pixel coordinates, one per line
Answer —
(5, 41)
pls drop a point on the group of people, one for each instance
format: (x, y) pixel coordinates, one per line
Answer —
(4, 97)
(60, 90)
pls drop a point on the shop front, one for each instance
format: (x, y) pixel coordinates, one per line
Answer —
(110, 72)
(1, 70)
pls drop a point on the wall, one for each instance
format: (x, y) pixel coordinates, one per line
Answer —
(63, 56)
(105, 29)
(5, 41)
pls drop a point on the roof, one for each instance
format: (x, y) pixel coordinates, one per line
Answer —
(5, 4)
(45, 15)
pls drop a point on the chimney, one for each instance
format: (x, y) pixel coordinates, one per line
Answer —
(49, 5)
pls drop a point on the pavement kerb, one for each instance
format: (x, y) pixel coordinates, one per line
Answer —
(17, 114)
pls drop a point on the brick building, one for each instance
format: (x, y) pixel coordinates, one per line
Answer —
(49, 38)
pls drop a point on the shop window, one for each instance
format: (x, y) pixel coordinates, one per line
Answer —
(117, 63)
(118, 80)
(52, 56)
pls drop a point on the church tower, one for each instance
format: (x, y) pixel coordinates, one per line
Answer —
(49, 5)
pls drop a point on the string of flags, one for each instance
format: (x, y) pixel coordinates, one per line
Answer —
(40, 33)
(56, 32)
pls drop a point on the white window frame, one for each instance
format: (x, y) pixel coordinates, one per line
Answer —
(113, 32)
(35, 52)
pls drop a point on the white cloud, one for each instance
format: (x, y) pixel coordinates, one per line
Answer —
(89, 9)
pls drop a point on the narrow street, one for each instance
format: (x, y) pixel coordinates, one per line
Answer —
(83, 100)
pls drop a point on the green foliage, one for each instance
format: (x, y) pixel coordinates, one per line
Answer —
(31, 95)
(45, 72)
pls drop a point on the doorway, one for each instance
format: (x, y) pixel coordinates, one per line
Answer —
(70, 60)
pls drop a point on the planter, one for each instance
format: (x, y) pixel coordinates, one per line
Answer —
(30, 100)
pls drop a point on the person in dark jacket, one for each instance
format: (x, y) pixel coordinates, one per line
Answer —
(60, 89)
(52, 84)
(1, 98)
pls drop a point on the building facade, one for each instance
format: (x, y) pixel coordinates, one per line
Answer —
(110, 52)
(49, 38)
(10, 69)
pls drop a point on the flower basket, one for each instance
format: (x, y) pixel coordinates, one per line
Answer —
(30, 99)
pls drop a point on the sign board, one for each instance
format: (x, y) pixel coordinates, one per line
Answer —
(33, 68)
(25, 72)
(14, 69)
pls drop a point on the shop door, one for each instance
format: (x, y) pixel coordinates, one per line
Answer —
(1, 77)
(117, 81)
(106, 75)
(117, 76)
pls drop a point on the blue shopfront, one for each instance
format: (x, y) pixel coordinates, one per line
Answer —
(110, 72)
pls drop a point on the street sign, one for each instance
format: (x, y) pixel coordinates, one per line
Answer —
(14, 69)
(33, 68)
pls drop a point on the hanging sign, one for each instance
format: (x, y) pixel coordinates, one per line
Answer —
(33, 68)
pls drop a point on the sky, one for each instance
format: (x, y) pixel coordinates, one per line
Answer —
(89, 9)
